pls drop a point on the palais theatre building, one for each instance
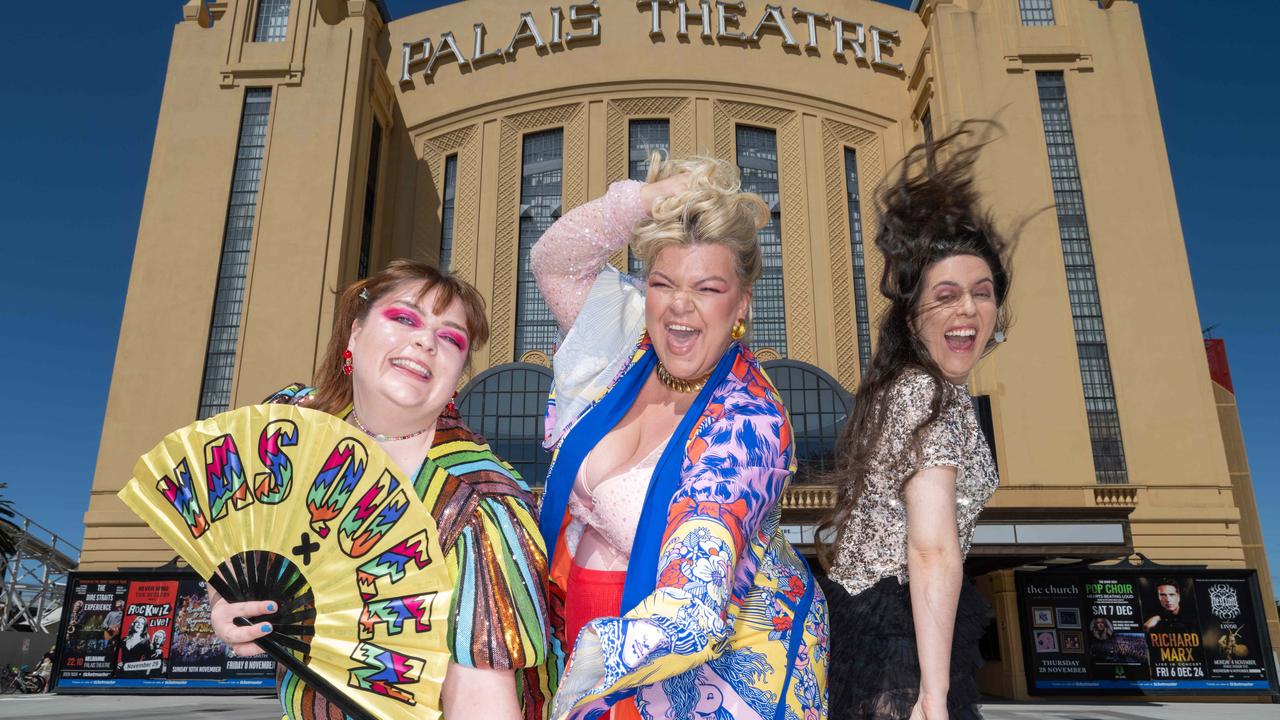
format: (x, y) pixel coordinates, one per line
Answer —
(302, 144)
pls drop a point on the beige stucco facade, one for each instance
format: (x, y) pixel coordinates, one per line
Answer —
(342, 67)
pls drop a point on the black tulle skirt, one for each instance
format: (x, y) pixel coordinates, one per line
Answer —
(874, 672)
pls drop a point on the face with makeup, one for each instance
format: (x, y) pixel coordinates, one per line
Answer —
(693, 300)
(406, 358)
(956, 313)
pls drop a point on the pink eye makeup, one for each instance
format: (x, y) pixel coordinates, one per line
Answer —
(455, 337)
(402, 316)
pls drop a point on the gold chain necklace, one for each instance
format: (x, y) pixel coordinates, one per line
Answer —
(680, 384)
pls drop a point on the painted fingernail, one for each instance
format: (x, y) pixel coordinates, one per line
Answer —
(266, 627)
(271, 607)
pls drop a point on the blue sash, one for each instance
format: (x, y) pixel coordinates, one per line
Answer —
(596, 422)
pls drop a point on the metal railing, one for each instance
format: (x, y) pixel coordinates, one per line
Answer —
(35, 576)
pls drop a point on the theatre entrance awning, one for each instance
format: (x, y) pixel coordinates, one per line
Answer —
(1010, 537)
(1006, 537)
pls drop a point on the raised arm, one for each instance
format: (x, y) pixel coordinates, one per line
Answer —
(569, 255)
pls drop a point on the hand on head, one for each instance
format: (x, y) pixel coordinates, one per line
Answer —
(655, 192)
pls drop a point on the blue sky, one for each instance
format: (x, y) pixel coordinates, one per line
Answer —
(83, 95)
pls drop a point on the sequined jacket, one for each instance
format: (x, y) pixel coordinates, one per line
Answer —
(874, 542)
(496, 558)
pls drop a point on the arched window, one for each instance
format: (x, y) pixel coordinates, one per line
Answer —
(818, 406)
(506, 404)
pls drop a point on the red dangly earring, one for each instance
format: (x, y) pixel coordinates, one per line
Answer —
(346, 363)
(451, 407)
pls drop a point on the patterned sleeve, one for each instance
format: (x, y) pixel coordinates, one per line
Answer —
(500, 607)
(569, 255)
(936, 445)
(295, 394)
(735, 480)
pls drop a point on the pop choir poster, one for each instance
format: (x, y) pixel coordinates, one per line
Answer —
(1139, 631)
(147, 631)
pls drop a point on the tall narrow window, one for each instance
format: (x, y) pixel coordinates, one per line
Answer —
(446, 211)
(1082, 283)
(645, 137)
(272, 21)
(758, 160)
(539, 207)
(861, 314)
(1036, 12)
(926, 128)
(228, 297)
(370, 200)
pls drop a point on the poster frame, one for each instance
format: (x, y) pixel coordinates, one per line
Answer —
(1147, 568)
(131, 686)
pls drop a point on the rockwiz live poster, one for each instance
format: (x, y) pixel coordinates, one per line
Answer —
(1131, 631)
(143, 650)
(150, 632)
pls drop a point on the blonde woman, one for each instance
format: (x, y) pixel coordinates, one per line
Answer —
(680, 596)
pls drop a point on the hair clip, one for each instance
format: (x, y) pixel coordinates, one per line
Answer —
(364, 294)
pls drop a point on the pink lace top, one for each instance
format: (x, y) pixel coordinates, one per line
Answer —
(612, 505)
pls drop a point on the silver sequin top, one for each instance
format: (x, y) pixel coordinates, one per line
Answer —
(874, 545)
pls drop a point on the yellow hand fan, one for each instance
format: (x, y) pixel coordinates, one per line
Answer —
(276, 502)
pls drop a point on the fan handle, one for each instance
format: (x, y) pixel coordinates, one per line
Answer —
(297, 667)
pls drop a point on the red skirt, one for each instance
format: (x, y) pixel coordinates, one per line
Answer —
(594, 594)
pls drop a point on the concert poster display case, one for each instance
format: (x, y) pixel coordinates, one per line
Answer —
(145, 632)
(1140, 630)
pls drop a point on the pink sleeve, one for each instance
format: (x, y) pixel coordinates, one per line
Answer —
(569, 255)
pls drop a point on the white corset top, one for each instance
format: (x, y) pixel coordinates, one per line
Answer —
(611, 506)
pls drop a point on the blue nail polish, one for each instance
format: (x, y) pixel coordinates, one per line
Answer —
(266, 627)
(271, 607)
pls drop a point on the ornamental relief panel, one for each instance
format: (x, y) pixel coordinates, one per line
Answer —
(466, 199)
(619, 113)
(836, 136)
(573, 118)
(797, 271)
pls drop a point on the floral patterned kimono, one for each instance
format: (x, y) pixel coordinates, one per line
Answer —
(721, 617)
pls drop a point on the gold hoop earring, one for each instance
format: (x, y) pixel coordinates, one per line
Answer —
(739, 329)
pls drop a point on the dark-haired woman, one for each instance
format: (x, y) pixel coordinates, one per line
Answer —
(401, 340)
(913, 468)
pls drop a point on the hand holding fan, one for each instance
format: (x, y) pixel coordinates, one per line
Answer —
(315, 517)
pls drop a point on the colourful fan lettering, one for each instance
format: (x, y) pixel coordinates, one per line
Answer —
(383, 671)
(321, 551)
(394, 612)
(224, 472)
(272, 487)
(393, 563)
(361, 529)
(335, 482)
(181, 494)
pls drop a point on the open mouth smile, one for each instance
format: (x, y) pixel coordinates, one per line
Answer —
(681, 337)
(412, 367)
(961, 339)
